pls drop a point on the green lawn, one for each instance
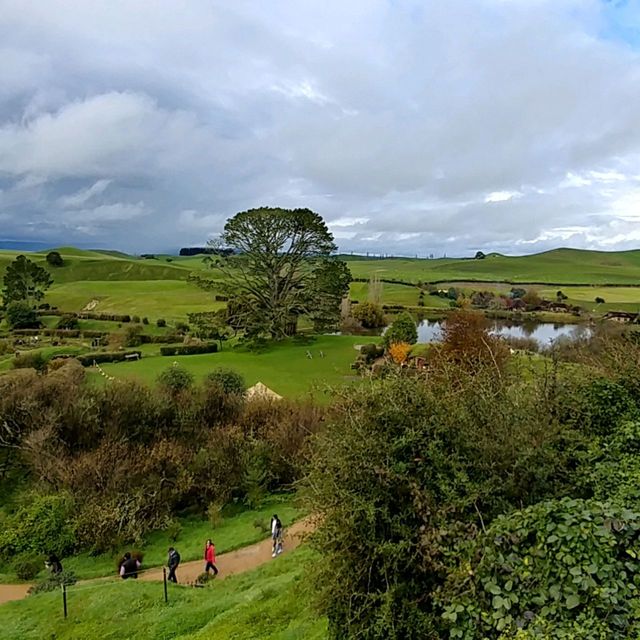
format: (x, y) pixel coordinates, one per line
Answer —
(271, 602)
(285, 368)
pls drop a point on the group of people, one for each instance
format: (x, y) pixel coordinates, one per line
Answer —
(130, 565)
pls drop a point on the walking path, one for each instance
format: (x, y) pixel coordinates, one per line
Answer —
(228, 564)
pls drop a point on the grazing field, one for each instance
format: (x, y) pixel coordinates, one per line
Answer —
(561, 266)
(285, 367)
(270, 602)
(168, 299)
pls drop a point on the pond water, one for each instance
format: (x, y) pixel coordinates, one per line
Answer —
(543, 333)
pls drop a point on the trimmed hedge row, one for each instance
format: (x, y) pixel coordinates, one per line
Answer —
(388, 281)
(101, 357)
(165, 339)
(85, 315)
(189, 349)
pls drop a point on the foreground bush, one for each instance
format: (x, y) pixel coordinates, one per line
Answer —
(550, 570)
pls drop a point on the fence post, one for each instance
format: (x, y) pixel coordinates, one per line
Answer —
(64, 599)
(164, 578)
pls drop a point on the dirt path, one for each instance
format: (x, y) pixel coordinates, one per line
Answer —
(238, 561)
(228, 564)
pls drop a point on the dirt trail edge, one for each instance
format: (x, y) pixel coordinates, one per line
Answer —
(238, 561)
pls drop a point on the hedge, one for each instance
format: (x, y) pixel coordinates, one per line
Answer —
(60, 333)
(101, 357)
(189, 349)
(168, 338)
(111, 317)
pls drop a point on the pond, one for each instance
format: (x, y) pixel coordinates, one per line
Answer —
(543, 333)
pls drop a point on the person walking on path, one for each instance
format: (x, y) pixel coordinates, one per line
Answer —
(129, 567)
(276, 535)
(210, 558)
(172, 563)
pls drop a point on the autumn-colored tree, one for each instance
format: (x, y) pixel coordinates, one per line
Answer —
(399, 352)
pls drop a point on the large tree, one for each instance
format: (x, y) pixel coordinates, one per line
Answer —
(25, 281)
(280, 269)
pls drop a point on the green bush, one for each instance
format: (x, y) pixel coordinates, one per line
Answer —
(369, 315)
(100, 357)
(229, 380)
(135, 319)
(403, 329)
(54, 259)
(176, 379)
(53, 582)
(68, 321)
(30, 360)
(556, 565)
(371, 352)
(21, 315)
(607, 403)
(132, 336)
(27, 566)
(43, 524)
(161, 322)
(189, 349)
(145, 320)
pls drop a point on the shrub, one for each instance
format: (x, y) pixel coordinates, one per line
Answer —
(101, 357)
(30, 360)
(599, 300)
(132, 336)
(135, 319)
(44, 523)
(21, 315)
(229, 380)
(161, 322)
(403, 329)
(54, 259)
(27, 566)
(371, 352)
(174, 530)
(175, 379)
(399, 351)
(53, 582)
(369, 315)
(145, 320)
(189, 349)
(553, 566)
(182, 327)
(68, 321)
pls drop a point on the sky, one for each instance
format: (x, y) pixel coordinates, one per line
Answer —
(414, 127)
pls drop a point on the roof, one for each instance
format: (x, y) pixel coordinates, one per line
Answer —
(260, 391)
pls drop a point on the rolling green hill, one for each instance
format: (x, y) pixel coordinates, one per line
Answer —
(560, 266)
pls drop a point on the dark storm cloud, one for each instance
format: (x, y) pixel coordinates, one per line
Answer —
(414, 127)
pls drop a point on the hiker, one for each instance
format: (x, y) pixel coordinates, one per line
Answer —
(172, 563)
(276, 535)
(210, 558)
(129, 567)
(53, 564)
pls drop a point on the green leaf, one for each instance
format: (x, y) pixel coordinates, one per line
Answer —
(572, 601)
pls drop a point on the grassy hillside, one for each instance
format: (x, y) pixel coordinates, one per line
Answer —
(271, 602)
(570, 266)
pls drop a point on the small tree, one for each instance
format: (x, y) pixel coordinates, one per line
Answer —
(403, 329)
(369, 315)
(25, 281)
(599, 300)
(21, 315)
(54, 259)
(175, 379)
(229, 380)
(480, 255)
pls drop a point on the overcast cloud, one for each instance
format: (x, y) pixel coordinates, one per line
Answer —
(413, 126)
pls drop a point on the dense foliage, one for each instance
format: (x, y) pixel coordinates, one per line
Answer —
(26, 281)
(402, 329)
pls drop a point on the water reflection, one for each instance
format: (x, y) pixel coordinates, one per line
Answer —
(542, 332)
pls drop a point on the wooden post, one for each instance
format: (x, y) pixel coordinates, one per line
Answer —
(64, 599)
(164, 578)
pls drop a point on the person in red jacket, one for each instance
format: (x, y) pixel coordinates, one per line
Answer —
(210, 558)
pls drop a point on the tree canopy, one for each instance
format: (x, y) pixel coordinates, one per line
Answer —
(26, 281)
(279, 269)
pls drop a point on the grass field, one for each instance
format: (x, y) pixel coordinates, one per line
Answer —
(285, 367)
(272, 602)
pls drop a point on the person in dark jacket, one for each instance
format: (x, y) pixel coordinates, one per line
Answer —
(172, 563)
(129, 567)
(210, 558)
(53, 564)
